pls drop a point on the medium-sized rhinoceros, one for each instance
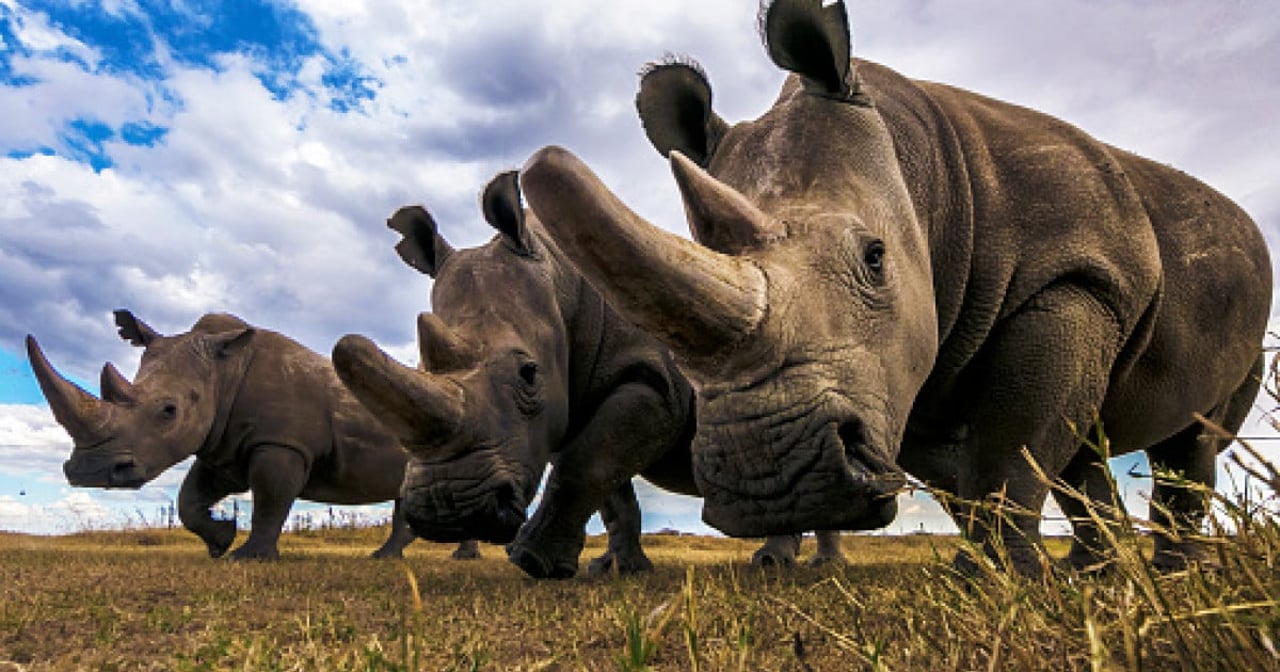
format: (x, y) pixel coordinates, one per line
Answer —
(523, 364)
(893, 274)
(259, 411)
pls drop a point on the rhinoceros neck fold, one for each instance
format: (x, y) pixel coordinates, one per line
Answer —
(230, 381)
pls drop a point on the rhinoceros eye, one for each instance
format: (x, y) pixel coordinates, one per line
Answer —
(873, 257)
(169, 411)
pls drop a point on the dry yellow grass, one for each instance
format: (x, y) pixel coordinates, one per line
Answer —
(153, 600)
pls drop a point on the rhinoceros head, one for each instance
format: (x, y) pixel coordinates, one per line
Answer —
(137, 430)
(803, 314)
(480, 413)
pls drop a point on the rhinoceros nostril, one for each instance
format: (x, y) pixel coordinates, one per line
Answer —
(508, 506)
(124, 473)
(854, 438)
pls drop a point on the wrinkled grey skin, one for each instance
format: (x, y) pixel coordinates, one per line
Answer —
(523, 365)
(259, 411)
(897, 274)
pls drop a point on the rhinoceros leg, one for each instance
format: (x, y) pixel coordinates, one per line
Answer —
(1091, 544)
(622, 520)
(1192, 454)
(201, 489)
(401, 535)
(629, 431)
(829, 550)
(1042, 372)
(277, 475)
(468, 549)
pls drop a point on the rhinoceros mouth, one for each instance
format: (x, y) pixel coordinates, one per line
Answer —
(819, 468)
(494, 517)
(473, 497)
(105, 470)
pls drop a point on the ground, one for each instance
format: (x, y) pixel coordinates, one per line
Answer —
(152, 599)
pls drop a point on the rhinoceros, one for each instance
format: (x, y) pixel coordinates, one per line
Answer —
(522, 364)
(894, 275)
(259, 411)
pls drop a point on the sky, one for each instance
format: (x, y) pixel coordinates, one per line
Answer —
(177, 157)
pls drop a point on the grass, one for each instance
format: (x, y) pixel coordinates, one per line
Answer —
(152, 600)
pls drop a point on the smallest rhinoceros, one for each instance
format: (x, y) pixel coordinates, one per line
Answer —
(259, 411)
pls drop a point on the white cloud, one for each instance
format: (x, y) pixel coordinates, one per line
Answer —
(33, 31)
(31, 441)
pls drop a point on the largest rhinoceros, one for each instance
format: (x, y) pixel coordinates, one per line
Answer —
(258, 410)
(895, 274)
(522, 365)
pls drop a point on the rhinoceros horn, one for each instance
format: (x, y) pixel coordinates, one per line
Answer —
(83, 415)
(440, 348)
(423, 410)
(720, 217)
(116, 389)
(694, 299)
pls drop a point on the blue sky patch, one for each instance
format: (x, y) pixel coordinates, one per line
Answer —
(128, 41)
(42, 150)
(17, 385)
(348, 86)
(84, 138)
(10, 46)
(143, 133)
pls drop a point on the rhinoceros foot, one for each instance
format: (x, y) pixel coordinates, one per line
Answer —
(248, 552)
(828, 559)
(624, 563)
(1030, 562)
(777, 551)
(540, 566)
(220, 538)
(1094, 562)
(1179, 556)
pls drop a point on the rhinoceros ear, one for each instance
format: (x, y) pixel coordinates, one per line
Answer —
(811, 40)
(504, 211)
(422, 247)
(228, 343)
(133, 330)
(674, 103)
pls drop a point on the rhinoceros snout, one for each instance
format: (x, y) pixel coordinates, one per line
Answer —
(119, 470)
(823, 473)
(495, 517)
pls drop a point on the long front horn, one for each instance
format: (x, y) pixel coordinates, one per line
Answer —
(695, 300)
(83, 415)
(115, 388)
(422, 410)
